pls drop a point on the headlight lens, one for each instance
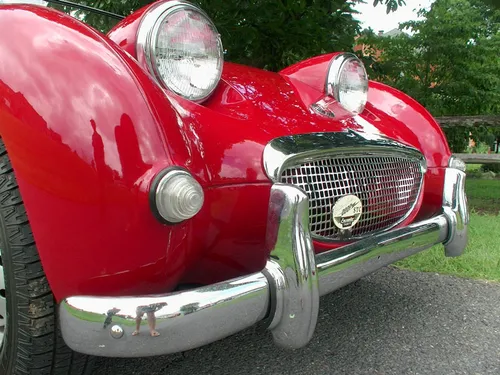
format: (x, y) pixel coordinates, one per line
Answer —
(177, 196)
(181, 47)
(347, 82)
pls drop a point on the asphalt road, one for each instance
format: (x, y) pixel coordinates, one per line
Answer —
(392, 322)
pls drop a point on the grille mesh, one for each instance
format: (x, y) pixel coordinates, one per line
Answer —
(387, 186)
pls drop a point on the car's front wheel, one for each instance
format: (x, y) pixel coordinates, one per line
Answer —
(30, 339)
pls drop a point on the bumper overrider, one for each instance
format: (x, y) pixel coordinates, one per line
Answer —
(283, 298)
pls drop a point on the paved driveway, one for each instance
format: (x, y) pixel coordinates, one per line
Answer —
(392, 322)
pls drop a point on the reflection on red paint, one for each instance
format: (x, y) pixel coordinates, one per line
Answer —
(89, 130)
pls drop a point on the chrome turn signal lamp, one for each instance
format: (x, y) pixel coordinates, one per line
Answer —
(457, 163)
(176, 196)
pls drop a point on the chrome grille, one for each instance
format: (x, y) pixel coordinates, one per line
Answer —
(387, 185)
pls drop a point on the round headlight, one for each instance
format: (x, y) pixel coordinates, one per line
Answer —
(347, 82)
(180, 46)
(176, 196)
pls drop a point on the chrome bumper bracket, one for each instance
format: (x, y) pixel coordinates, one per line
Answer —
(456, 210)
(295, 280)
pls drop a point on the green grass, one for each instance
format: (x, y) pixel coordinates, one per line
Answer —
(483, 196)
(481, 259)
(99, 318)
(473, 167)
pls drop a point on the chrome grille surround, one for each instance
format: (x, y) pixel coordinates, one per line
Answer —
(386, 175)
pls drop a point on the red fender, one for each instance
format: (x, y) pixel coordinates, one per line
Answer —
(81, 123)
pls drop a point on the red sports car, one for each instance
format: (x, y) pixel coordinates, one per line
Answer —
(154, 198)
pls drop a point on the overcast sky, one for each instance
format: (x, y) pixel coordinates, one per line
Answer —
(377, 19)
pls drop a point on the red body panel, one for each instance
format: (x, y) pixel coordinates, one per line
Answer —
(125, 32)
(87, 129)
(84, 142)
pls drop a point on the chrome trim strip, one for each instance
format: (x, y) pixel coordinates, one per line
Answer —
(284, 295)
(287, 151)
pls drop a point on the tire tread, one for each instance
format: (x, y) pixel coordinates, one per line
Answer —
(37, 328)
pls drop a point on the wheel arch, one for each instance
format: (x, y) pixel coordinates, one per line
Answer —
(80, 121)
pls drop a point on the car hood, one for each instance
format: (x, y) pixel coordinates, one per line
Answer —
(226, 136)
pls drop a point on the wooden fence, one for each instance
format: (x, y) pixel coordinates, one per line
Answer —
(471, 121)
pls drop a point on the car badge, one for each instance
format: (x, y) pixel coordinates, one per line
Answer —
(346, 212)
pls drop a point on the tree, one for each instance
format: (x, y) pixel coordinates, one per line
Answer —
(274, 34)
(449, 63)
(269, 34)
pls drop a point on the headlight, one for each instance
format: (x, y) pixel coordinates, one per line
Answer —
(180, 46)
(347, 82)
(176, 196)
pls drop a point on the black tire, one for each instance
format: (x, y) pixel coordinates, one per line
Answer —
(32, 343)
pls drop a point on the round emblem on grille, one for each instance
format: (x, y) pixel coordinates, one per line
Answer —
(347, 211)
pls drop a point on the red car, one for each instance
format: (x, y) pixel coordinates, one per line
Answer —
(154, 198)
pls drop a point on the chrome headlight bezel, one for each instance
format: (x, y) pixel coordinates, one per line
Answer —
(147, 37)
(332, 84)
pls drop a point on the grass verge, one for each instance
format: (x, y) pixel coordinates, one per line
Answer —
(481, 259)
(100, 318)
(483, 196)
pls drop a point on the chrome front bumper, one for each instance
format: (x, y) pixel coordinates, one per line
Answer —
(283, 298)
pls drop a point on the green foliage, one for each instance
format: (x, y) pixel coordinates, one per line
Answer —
(268, 34)
(491, 167)
(391, 5)
(449, 64)
(275, 34)
(481, 148)
(457, 137)
(100, 22)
